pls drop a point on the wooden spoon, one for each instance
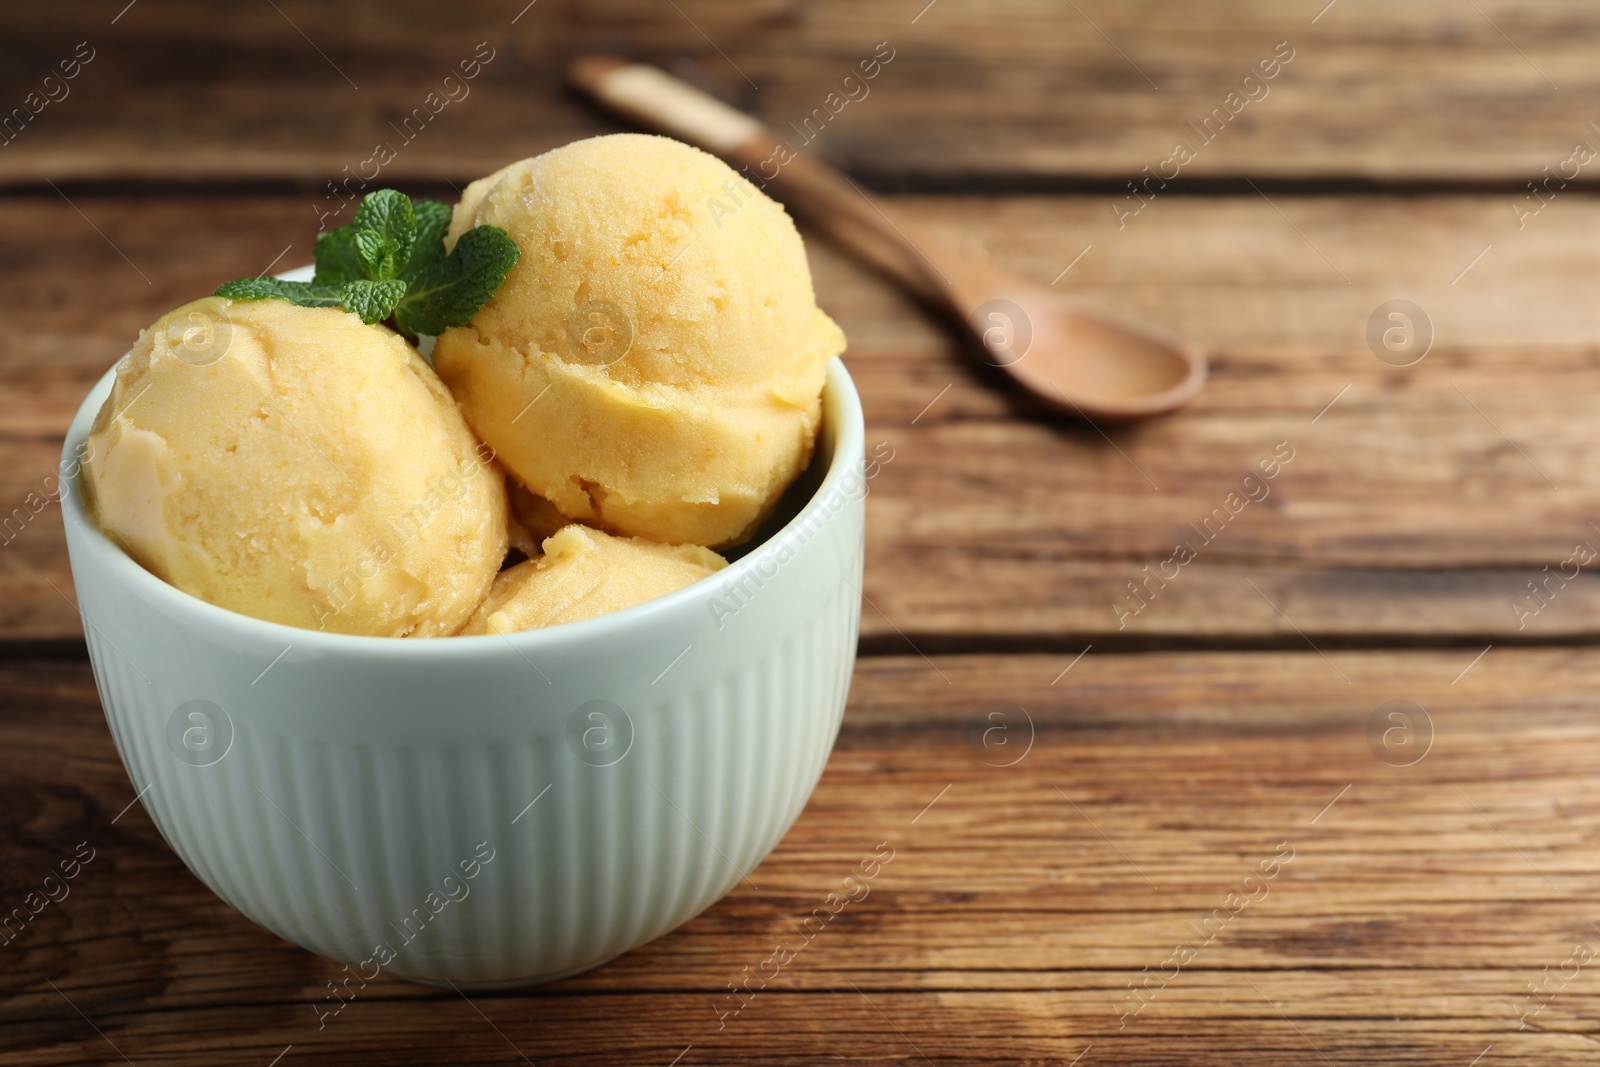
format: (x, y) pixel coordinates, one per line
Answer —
(1074, 357)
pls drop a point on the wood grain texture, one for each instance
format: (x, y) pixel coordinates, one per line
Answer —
(1021, 900)
(1440, 874)
(1416, 507)
(1432, 90)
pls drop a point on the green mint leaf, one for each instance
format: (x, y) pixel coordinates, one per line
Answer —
(433, 219)
(338, 261)
(306, 294)
(389, 214)
(450, 291)
(379, 254)
(389, 260)
(374, 301)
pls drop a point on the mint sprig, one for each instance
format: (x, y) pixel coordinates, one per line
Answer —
(389, 263)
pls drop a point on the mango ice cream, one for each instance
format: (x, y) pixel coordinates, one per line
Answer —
(296, 465)
(653, 364)
(584, 573)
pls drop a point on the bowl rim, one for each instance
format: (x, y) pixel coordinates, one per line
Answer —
(841, 415)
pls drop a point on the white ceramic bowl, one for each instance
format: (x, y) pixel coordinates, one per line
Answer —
(492, 810)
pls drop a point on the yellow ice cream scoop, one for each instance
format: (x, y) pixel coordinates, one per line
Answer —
(584, 573)
(293, 464)
(653, 364)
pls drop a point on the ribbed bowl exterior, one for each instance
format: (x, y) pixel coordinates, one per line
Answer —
(491, 810)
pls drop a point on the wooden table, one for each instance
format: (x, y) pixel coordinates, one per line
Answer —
(1104, 895)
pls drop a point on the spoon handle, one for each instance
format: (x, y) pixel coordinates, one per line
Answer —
(827, 198)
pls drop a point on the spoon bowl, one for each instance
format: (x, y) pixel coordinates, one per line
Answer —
(1083, 360)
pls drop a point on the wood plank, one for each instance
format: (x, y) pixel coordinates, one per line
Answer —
(1419, 901)
(1429, 90)
(1420, 500)
(1417, 506)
